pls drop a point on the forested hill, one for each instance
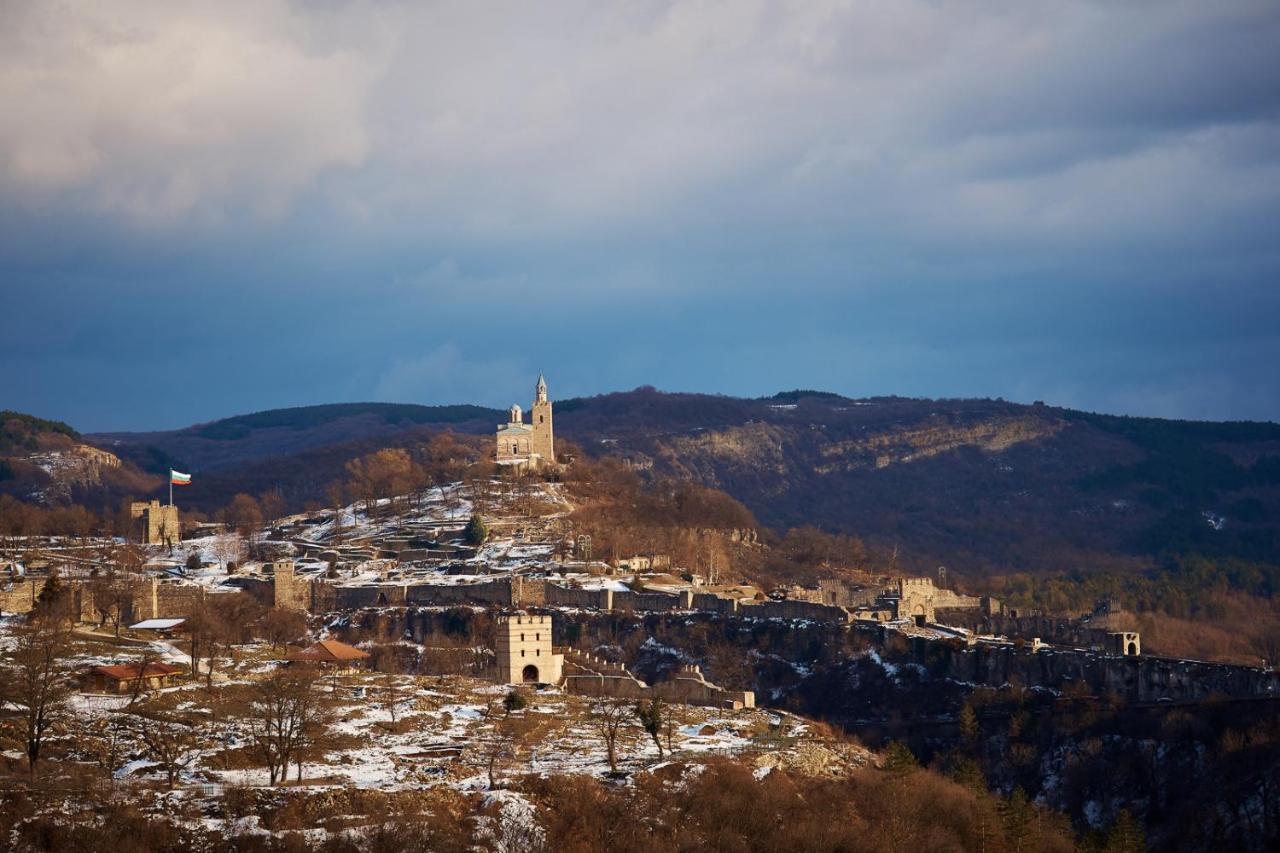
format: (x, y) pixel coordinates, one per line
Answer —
(972, 483)
(235, 441)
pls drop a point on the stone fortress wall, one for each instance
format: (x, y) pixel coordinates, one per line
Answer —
(590, 675)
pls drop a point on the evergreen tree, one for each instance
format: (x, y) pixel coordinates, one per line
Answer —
(652, 715)
(53, 601)
(513, 702)
(1019, 816)
(476, 532)
(1125, 835)
(899, 760)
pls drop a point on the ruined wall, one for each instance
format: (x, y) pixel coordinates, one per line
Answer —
(593, 676)
(150, 599)
(793, 610)
(528, 591)
(710, 603)
(951, 598)
(1052, 629)
(378, 595)
(564, 596)
(20, 596)
(841, 593)
(155, 599)
(651, 601)
(498, 591)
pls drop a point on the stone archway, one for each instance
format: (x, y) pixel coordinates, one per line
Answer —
(529, 675)
(1133, 648)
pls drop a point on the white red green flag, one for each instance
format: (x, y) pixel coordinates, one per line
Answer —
(177, 478)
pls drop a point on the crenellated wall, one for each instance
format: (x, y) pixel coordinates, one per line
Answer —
(590, 675)
(793, 610)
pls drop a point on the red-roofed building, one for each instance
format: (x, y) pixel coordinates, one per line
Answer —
(123, 677)
(333, 653)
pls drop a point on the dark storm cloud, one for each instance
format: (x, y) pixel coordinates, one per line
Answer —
(213, 210)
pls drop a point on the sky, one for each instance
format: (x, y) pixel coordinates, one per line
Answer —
(211, 209)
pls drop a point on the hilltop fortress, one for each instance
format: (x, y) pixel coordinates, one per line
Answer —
(530, 445)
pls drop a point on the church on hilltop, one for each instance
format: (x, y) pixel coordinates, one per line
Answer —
(532, 444)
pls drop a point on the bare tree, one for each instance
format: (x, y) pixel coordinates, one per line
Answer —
(226, 621)
(244, 515)
(102, 739)
(611, 720)
(172, 743)
(227, 548)
(272, 504)
(392, 695)
(198, 625)
(335, 493)
(509, 737)
(279, 625)
(112, 599)
(286, 713)
(36, 679)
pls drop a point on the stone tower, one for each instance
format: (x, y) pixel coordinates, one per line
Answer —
(542, 441)
(524, 651)
(155, 523)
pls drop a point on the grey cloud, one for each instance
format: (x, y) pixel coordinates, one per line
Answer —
(384, 199)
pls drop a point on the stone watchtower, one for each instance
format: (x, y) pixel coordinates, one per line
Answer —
(524, 652)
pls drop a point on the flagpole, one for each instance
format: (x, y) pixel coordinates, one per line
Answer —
(170, 488)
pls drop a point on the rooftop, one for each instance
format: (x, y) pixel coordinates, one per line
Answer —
(329, 651)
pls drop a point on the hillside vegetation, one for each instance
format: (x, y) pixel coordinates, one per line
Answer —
(1047, 507)
(19, 432)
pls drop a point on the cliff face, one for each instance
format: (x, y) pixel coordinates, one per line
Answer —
(69, 468)
(909, 445)
(77, 465)
(765, 449)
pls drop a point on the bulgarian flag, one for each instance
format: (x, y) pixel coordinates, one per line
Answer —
(176, 478)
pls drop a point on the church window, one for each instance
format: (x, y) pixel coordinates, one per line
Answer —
(522, 653)
(515, 448)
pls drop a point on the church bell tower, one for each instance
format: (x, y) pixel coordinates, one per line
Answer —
(542, 441)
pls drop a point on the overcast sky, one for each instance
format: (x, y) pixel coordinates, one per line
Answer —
(209, 209)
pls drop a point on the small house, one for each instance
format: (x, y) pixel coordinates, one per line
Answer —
(123, 677)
